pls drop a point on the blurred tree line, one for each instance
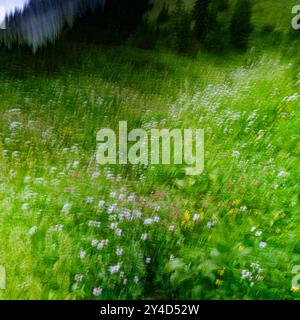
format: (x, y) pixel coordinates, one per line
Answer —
(215, 25)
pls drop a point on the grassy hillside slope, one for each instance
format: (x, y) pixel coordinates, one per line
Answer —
(72, 229)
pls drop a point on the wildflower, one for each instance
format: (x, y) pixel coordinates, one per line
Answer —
(291, 98)
(260, 135)
(101, 204)
(113, 194)
(131, 197)
(171, 228)
(243, 208)
(114, 225)
(66, 208)
(39, 180)
(14, 125)
(53, 170)
(16, 111)
(94, 243)
(118, 232)
(241, 248)
(157, 208)
(246, 274)
(295, 289)
(114, 269)
(156, 219)
(57, 228)
(75, 164)
(275, 186)
(253, 229)
(187, 216)
(16, 154)
(100, 245)
(262, 244)
(46, 134)
(144, 237)
(283, 174)
(136, 279)
(112, 217)
(78, 277)
(82, 254)
(97, 292)
(255, 265)
(127, 214)
(236, 202)
(219, 282)
(235, 154)
(32, 230)
(119, 251)
(211, 224)
(148, 221)
(258, 233)
(121, 197)
(111, 208)
(137, 214)
(89, 200)
(196, 217)
(276, 216)
(221, 272)
(25, 206)
(75, 149)
(148, 260)
(95, 175)
(94, 224)
(109, 175)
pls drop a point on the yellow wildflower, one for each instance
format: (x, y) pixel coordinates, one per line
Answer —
(295, 289)
(241, 248)
(236, 202)
(221, 272)
(187, 216)
(233, 211)
(219, 282)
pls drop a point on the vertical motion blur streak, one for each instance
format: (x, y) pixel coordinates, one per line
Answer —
(37, 22)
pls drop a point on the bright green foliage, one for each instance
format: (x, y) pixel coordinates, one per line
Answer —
(232, 232)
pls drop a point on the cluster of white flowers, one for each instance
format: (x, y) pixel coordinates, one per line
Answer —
(254, 274)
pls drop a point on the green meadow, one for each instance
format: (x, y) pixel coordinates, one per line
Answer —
(72, 229)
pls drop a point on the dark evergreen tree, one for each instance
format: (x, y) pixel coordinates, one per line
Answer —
(217, 37)
(201, 10)
(163, 15)
(114, 24)
(241, 27)
(182, 27)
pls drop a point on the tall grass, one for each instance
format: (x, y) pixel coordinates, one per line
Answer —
(73, 230)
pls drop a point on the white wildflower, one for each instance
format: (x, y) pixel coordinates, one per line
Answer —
(66, 208)
(32, 230)
(97, 292)
(262, 244)
(144, 237)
